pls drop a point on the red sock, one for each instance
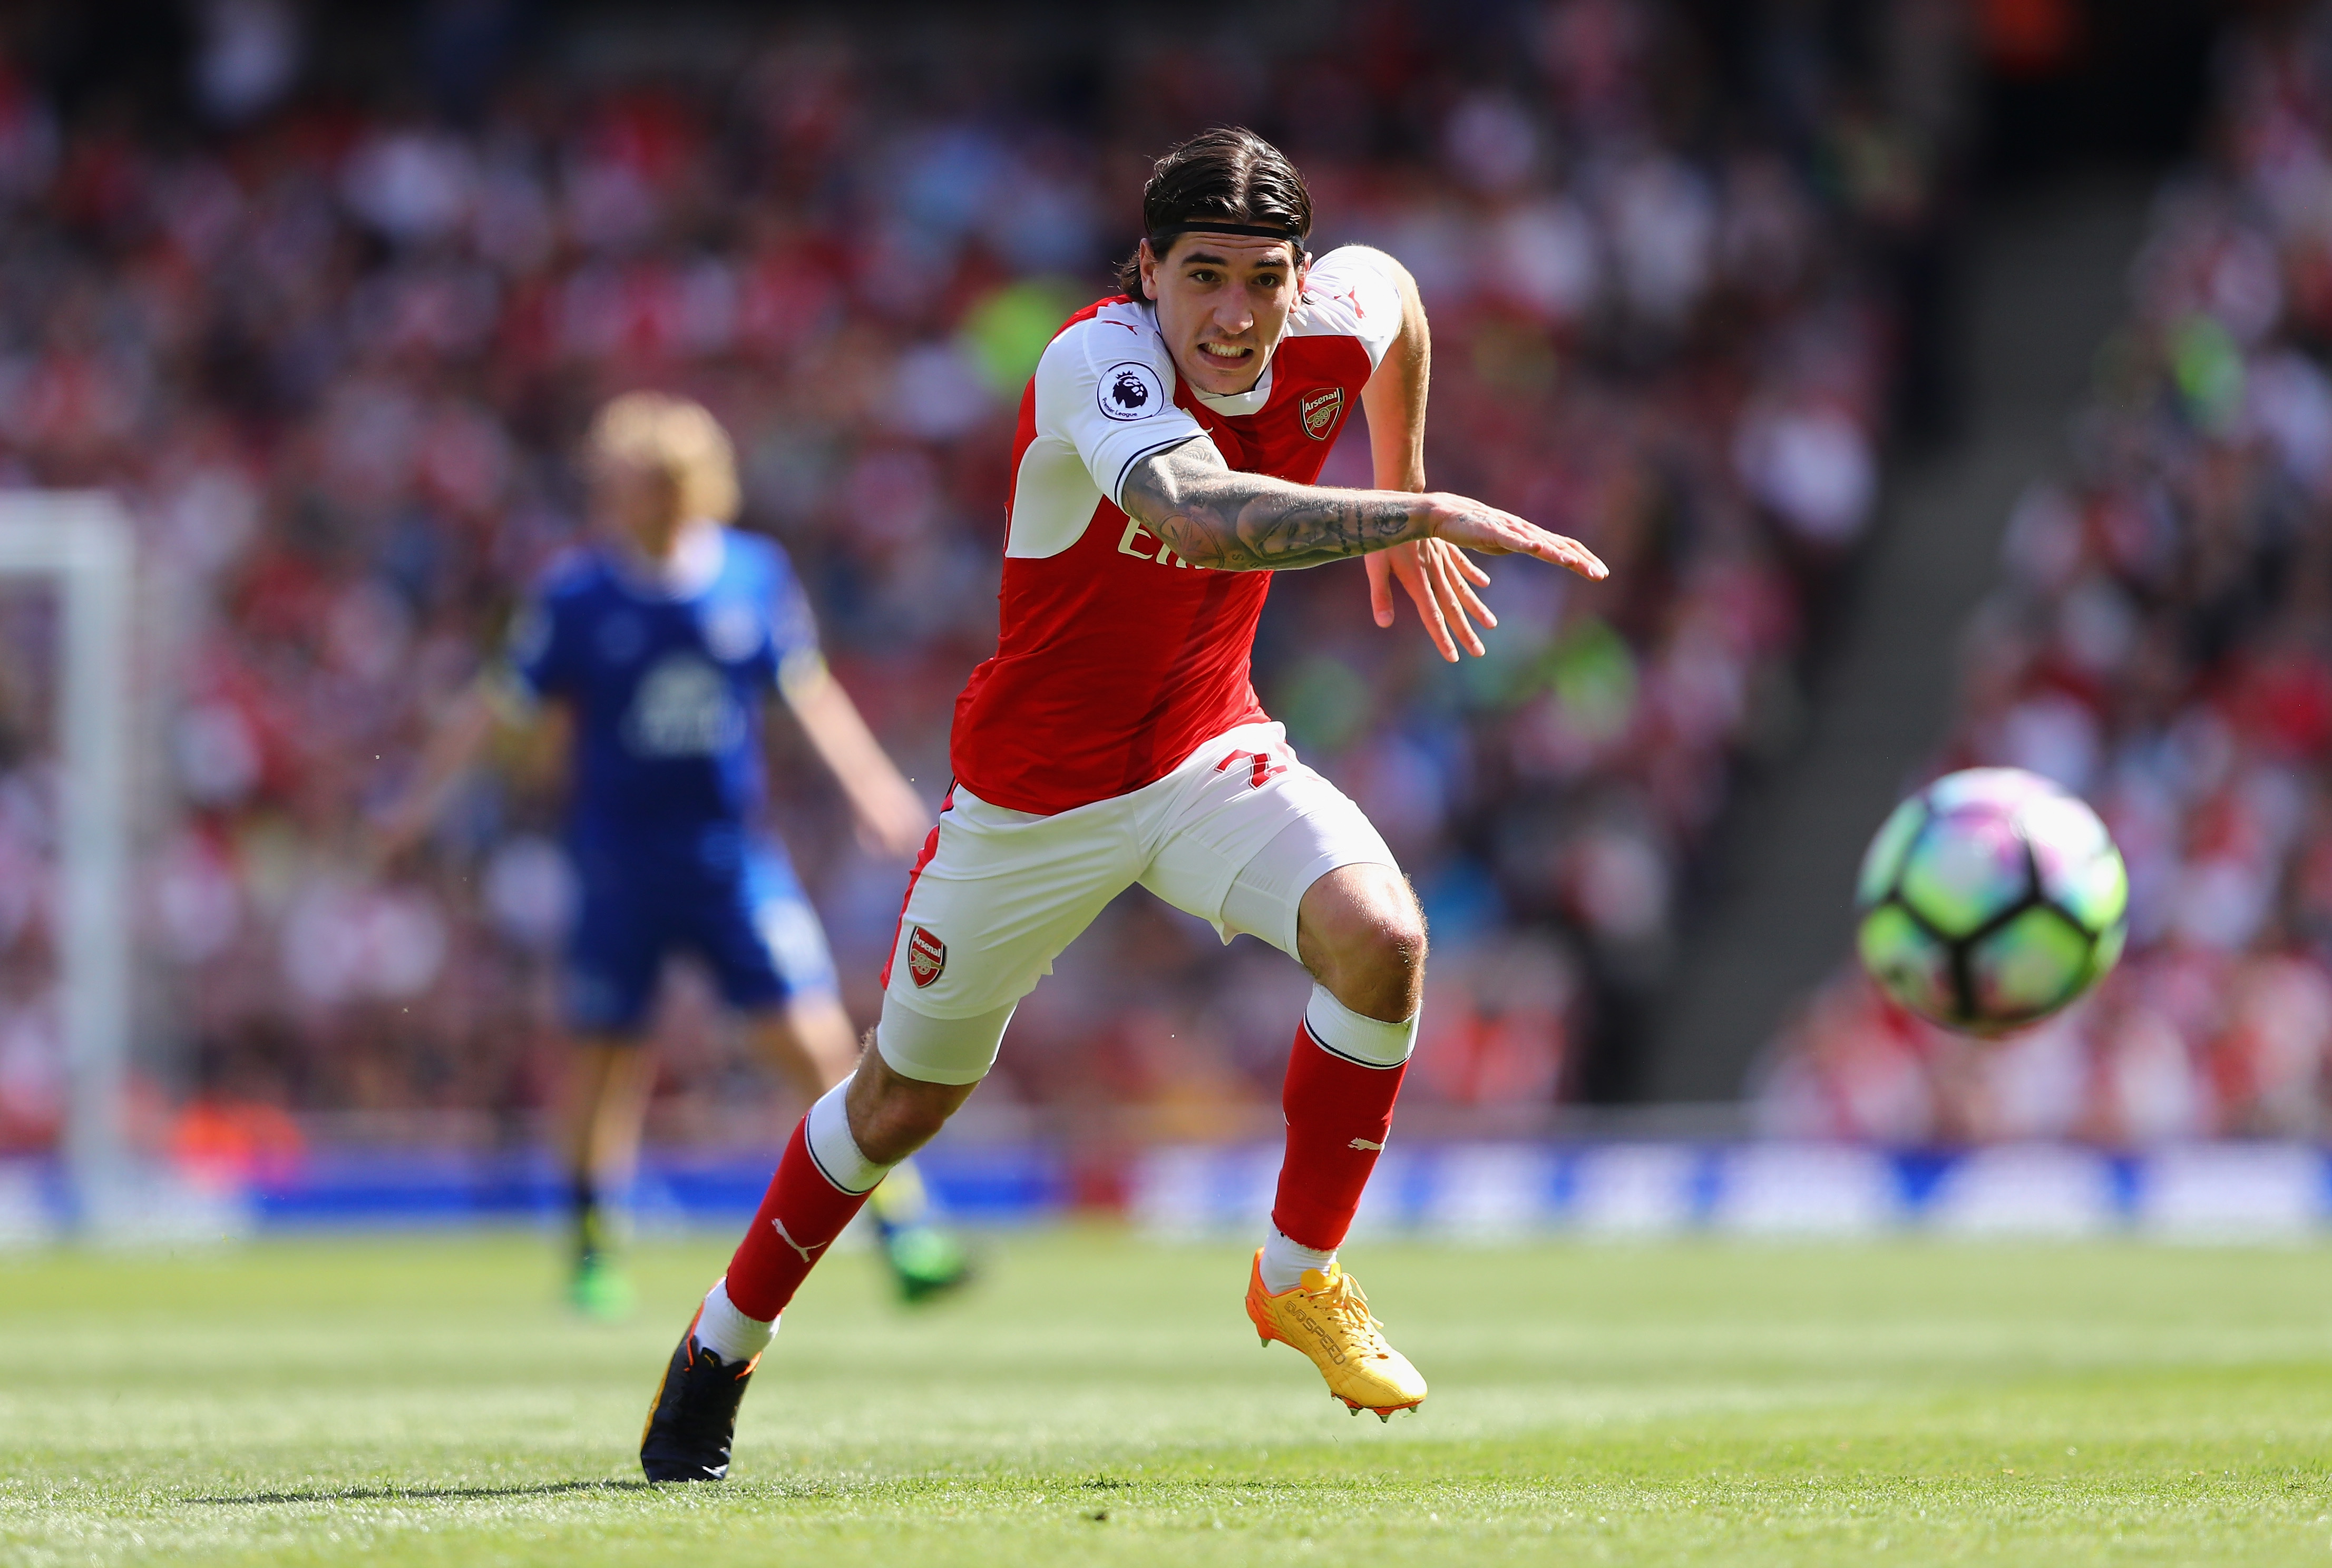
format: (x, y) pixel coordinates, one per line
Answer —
(1338, 1113)
(800, 1216)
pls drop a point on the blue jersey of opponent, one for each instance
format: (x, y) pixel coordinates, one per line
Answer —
(666, 675)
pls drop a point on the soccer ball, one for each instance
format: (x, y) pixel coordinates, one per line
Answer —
(1990, 899)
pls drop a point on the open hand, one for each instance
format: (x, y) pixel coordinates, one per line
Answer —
(1441, 581)
(1461, 520)
(892, 823)
(384, 840)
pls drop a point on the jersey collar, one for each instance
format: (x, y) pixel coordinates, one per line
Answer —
(1250, 401)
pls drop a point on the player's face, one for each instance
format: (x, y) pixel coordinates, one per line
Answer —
(1222, 304)
(636, 504)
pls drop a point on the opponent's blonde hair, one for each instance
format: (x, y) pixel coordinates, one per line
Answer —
(676, 437)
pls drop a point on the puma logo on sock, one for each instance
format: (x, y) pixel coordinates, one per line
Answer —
(1355, 1143)
(779, 1227)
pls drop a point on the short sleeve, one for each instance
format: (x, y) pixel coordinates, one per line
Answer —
(1352, 291)
(538, 655)
(535, 655)
(793, 627)
(1107, 386)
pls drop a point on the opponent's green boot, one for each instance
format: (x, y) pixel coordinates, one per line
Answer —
(925, 1261)
(597, 1289)
(600, 1290)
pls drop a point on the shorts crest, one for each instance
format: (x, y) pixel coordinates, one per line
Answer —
(926, 956)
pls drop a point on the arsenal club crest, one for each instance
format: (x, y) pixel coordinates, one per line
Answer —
(926, 956)
(1321, 410)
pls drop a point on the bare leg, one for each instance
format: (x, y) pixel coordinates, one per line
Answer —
(606, 1092)
(809, 1041)
(1360, 932)
(892, 1116)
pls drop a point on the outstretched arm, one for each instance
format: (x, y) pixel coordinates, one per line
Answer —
(454, 743)
(892, 818)
(1215, 516)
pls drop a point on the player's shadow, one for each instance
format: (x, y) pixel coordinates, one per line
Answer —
(400, 1494)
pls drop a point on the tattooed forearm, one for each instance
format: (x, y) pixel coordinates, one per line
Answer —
(1215, 517)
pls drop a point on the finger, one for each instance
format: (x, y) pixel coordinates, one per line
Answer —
(1495, 532)
(1420, 584)
(1407, 563)
(1576, 556)
(1556, 551)
(1446, 588)
(1465, 570)
(1585, 561)
(1453, 611)
(1380, 587)
(1475, 607)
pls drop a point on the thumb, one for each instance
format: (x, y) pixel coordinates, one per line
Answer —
(1379, 571)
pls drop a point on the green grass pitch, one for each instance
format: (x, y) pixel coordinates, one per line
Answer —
(1101, 1401)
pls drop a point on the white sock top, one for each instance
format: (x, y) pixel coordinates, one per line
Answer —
(1370, 1042)
(1284, 1261)
(728, 1332)
(834, 1151)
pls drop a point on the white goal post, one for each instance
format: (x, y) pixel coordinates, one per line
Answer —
(81, 542)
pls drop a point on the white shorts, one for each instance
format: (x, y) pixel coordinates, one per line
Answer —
(1236, 835)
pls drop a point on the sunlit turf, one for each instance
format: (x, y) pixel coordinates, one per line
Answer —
(1101, 1399)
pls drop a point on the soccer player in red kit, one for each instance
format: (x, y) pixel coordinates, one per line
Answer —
(1163, 467)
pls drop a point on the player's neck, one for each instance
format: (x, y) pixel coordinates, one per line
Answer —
(690, 560)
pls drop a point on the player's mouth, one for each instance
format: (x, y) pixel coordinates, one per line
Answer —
(1228, 353)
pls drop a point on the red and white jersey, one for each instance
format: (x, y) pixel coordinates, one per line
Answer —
(1115, 659)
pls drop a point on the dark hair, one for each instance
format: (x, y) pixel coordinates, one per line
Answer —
(1228, 174)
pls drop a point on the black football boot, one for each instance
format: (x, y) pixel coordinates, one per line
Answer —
(692, 1421)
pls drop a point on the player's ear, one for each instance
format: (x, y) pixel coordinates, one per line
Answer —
(1149, 260)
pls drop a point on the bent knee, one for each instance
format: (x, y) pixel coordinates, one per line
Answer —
(1362, 934)
(1391, 941)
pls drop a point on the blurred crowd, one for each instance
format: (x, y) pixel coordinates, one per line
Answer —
(2161, 642)
(333, 347)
